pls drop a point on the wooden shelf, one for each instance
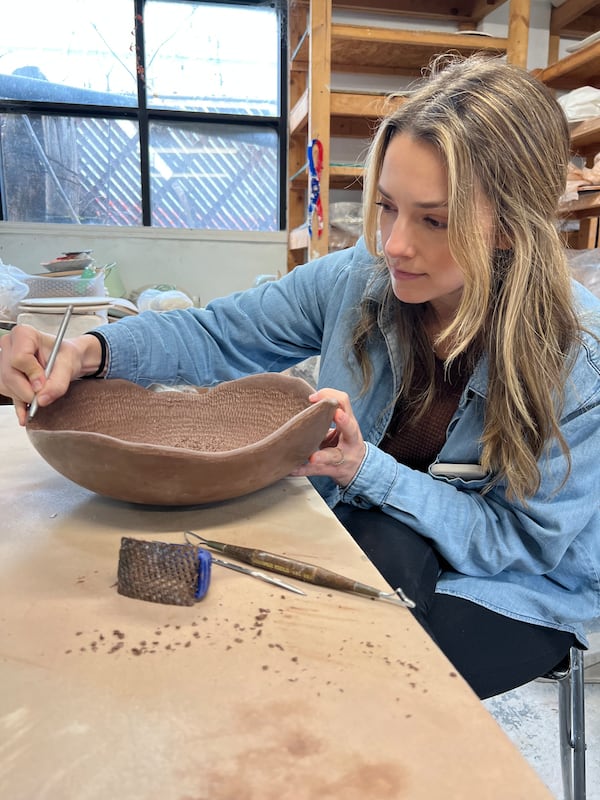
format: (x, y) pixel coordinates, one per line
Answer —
(465, 11)
(390, 51)
(363, 104)
(400, 52)
(581, 68)
(575, 19)
(585, 137)
(298, 238)
(586, 205)
(298, 116)
(353, 114)
(320, 45)
(341, 176)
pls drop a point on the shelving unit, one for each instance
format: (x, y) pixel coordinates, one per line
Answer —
(574, 19)
(319, 46)
(577, 19)
(585, 142)
(581, 68)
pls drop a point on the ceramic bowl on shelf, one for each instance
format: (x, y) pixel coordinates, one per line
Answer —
(79, 259)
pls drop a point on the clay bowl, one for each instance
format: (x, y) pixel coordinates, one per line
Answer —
(178, 448)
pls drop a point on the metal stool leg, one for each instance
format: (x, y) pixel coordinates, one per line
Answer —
(578, 728)
(564, 725)
(571, 713)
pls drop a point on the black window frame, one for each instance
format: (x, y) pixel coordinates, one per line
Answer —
(144, 116)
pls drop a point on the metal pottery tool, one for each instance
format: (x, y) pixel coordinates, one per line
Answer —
(302, 571)
(255, 574)
(53, 353)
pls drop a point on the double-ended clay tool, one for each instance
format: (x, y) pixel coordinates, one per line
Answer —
(302, 571)
(255, 574)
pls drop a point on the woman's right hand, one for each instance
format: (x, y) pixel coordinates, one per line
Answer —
(24, 353)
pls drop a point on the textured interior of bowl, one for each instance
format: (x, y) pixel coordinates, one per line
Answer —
(231, 415)
(179, 448)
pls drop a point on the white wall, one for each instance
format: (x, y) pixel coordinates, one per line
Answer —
(204, 264)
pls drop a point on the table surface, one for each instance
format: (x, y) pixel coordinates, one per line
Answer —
(253, 693)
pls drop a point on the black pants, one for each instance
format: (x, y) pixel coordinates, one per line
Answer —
(493, 653)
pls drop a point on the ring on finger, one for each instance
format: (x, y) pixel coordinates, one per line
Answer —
(341, 459)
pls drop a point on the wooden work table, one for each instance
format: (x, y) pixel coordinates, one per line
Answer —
(253, 693)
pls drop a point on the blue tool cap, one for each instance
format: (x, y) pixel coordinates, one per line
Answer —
(204, 569)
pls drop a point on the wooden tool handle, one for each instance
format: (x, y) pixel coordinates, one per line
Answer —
(309, 573)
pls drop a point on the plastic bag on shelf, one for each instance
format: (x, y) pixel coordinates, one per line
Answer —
(581, 103)
(585, 268)
(163, 299)
(345, 224)
(13, 289)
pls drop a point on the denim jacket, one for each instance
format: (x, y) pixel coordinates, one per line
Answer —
(538, 562)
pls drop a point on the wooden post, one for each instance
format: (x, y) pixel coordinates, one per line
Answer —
(296, 162)
(553, 48)
(518, 32)
(588, 233)
(319, 110)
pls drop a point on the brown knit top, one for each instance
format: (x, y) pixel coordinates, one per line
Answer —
(417, 443)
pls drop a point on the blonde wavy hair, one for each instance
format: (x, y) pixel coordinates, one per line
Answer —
(501, 134)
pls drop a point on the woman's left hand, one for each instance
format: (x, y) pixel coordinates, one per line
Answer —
(342, 451)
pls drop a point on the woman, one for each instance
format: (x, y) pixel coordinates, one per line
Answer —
(465, 364)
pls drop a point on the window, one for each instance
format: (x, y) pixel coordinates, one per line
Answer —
(143, 112)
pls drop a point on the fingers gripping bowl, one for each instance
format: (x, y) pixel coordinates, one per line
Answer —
(181, 448)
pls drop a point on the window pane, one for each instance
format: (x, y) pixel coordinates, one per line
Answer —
(68, 52)
(203, 62)
(213, 58)
(219, 177)
(67, 169)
